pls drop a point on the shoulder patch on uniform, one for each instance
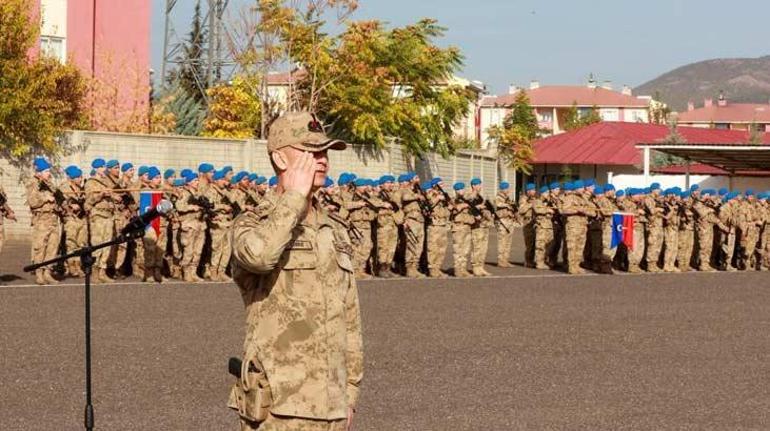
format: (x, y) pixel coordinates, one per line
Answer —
(299, 244)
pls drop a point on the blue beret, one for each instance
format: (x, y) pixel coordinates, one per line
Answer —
(234, 180)
(143, 170)
(254, 178)
(179, 182)
(708, 192)
(598, 190)
(328, 182)
(168, 173)
(41, 164)
(126, 166)
(238, 177)
(273, 181)
(475, 181)
(554, 185)
(425, 187)
(762, 195)
(608, 187)
(530, 186)
(261, 180)
(112, 163)
(387, 179)
(359, 182)
(579, 184)
(544, 189)
(190, 178)
(685, 194)
(205, 168)
(435, 181)
(694, 187)
(590, 182)
(153, 172)
(620, 194)
(458, 186)
(218, 175)
(749, 192)
(98, 163)
(227, 169)
(504, 185)
(723, 191)
(73, 172)
(655, 186)
(569, 186)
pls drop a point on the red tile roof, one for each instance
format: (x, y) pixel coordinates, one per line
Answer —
(285, 78)
(614, 143)
(566, 95)
(732, 113)
(701, 169)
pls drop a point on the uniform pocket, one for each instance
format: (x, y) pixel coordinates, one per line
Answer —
(251, 395)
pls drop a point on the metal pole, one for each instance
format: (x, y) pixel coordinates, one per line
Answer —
(169, 6)
(212, 37)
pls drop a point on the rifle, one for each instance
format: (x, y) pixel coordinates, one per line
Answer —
(205, 204)
(385, 198)
(491, 209)
(234, 205)
(57, 194)
(425, 207)
(475, 212)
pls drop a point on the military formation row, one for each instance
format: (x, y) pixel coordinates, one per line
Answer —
(673, 230)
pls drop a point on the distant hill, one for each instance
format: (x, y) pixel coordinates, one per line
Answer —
(741, 79)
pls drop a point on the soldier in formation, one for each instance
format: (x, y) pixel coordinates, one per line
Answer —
(673, 230)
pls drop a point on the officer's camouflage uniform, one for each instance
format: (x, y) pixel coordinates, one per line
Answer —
(100, 206)
(543, 231)
(438, 232)
(462, 220)
(303, 318)
(414, 229)
(654, 237)
(74, 220)
(46, 231)
(220, 226)
(671, 219)
(387, 233)
(506, 211)
(191, 233)
(686, 239)
(526, 215)
(602, 254)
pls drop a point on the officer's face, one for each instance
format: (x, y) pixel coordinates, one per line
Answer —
(44, 175)
(115, 171)
(321, 163)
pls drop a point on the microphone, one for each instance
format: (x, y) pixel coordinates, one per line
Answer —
(139, 223)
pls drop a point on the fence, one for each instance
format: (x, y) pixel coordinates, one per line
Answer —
(179, 152)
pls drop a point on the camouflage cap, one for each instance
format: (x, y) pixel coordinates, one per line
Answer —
(300, 130)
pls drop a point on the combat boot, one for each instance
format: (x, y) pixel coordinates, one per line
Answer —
(634, 269)
(48, 276)
(40, 278)
(190, 276)
(384, 271)
(436, 273)
(412, 272)
(503, 263)
(157, 275)
(362, 275)
(101, 276)
(223, 277)
(479, 271)
(462, 273)
(541, 265)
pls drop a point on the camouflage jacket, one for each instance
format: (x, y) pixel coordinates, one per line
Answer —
(99, 199)
(41, 200)
(302, 312)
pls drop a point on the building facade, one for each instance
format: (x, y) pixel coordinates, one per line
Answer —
(552, 104)
(726, 116)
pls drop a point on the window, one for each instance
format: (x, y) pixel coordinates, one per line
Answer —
(53, 47)
(609, 114)
(722, 126)
(545, 116)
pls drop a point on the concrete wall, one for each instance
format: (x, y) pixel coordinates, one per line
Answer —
(180, 152)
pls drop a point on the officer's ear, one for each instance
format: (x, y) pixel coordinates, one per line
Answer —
(279, 161)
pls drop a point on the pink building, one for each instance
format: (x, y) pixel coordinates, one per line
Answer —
(107, 39)
(726, 116)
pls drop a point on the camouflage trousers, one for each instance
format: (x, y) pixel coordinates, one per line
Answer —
(102, 229)
(543, 242)
(636, 254)
(461, 246)
(415, 235)
(362, 247)
(726, 241)
(654, 245)
(437, 243)
(479, 245)
(163, 240)
(76, 236)
(601, 253)
(505, 230)
(558, 242)
(705, 235)
(387, 239)
(46, 235)
(685, 244)
(575, 231)
(121, 250)
(220, 245)
(670, 247)
(749, 241)
(528, 232)
(176, 245)
(285, 423)
(191, 238)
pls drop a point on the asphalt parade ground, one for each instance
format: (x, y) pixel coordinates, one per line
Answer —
(524, 349)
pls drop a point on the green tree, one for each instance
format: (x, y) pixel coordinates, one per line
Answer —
(591, 117)
(39, 97)
(187, 112)
(515, 138)
(661, 159)
(523, 115)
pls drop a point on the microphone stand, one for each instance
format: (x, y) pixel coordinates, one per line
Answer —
(87, 261)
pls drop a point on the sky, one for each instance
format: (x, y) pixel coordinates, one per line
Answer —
(628, 42)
